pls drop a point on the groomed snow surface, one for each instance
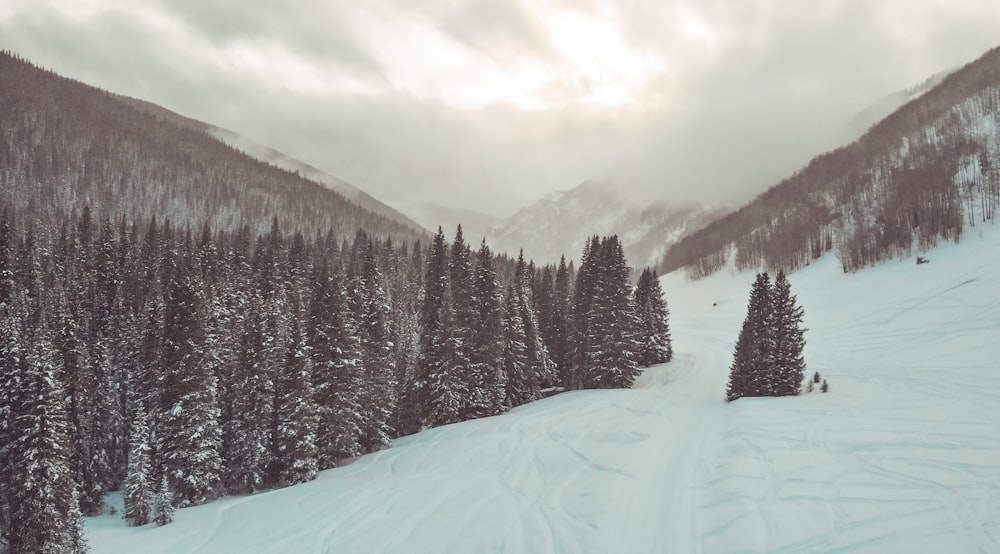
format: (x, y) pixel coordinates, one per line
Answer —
(902, 455)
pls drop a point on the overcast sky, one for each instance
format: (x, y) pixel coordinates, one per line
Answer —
(492, 103)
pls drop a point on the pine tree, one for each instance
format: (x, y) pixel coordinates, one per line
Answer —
(163, 503)
(406, 309)
(144, 382)
(541, 370)
(336, 370)
(441, 388)
(486, 352)
(741, 369)
(613, 325)
(77, 373)
(515, 377)
(762, 377)
(372, 320)
(45, 514)
(249, 440)
(655, 346)
(295, 413)
(585, 347)
(447, 390)
(789, 366)
(768, 357)
(544, 297)
(190, 439)
(463, 302)
(558, 338)
(139, 483)
(750, 373)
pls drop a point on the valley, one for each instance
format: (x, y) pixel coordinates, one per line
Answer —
(900, 455)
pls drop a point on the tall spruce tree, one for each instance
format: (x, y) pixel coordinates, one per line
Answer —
(77, 374)
(336, 370)
(441, 390)
(296, 452)
(190, 439)
(585, 314)
(789, 365)
(447, 388)
(541, 370)
(463, 303)
(139, 479)
(655, 346)
(248, 451)
(743, 364)
(762, 377)
(544, 296)
(486, 351)
(606, 328)
(372, 320)
(516, 377)
(163, 503)
(406, 309)
(558, 339)
(45, 514)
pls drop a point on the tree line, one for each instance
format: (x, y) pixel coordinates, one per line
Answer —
(181, 366)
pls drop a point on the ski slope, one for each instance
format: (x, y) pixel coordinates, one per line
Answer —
(902, 455)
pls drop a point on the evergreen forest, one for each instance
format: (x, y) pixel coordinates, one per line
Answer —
(180, 365)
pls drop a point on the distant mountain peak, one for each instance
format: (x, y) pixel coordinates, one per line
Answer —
(560, 222)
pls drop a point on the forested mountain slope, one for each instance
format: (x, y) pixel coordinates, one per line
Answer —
(924, 173)
(278, 159)
(65, 145)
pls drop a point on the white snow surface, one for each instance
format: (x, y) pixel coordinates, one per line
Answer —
(902, 455)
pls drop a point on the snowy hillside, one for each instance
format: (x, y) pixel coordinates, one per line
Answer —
(561, 222)
(903, 455)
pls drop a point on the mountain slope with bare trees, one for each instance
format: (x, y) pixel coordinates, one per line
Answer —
(925, 173)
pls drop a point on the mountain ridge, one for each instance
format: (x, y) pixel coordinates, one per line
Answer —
(69, 145)
(560, 223)
(279, 159)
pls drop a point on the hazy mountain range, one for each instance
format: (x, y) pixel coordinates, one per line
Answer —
(560, 224)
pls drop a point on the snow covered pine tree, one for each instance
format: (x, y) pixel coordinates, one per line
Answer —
(768, 357)
(655, 346)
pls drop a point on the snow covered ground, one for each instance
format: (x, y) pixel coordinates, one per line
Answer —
(902, 455)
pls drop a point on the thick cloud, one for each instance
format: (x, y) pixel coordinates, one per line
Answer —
(490, 103)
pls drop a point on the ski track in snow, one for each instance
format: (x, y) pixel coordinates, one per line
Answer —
(903, 455)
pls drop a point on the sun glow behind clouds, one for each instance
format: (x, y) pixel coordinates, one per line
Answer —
(588, 62)
(602, 68)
